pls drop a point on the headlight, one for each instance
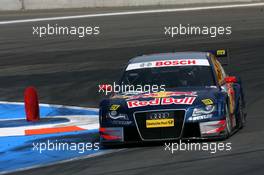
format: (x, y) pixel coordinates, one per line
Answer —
(115, 115)
(204, 110)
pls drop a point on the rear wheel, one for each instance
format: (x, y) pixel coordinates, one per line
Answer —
(241, 114)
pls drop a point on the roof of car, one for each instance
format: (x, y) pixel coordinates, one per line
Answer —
(170, 56)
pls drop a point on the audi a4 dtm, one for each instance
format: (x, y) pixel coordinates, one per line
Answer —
(200, 100)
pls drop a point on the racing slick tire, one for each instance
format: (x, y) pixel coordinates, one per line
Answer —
(241, 115)
(228, 128)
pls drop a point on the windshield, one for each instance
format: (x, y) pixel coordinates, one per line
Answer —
(171, 77)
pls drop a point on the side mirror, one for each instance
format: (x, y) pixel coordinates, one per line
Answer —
(231, 79)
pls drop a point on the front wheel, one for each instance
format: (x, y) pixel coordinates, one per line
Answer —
(228, 128)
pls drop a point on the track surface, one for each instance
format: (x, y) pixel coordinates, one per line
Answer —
(68, 70)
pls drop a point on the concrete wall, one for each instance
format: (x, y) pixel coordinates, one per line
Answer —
(10, 4)
(55, 4)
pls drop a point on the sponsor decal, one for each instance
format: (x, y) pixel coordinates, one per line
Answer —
(201, 117)
(168, 63)
(145, 64)
(120, 96)
(160, 123)
(161, 101)
(221, 52)
(117, 122)
(163, 94)
(114, 107)
(175, 62)
(157, 95)
(171, 100)
(207, 101)
(137, 103)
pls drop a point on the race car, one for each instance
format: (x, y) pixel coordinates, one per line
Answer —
(194, 98)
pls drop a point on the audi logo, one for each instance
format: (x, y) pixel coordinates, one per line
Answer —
(159, 115)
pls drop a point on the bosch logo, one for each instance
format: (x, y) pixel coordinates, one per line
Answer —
(159, 115)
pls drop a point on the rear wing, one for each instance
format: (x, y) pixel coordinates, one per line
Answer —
(222, 55)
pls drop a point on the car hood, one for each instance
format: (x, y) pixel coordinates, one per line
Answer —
(172, 99)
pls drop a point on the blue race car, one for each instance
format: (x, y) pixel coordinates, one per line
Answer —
(192, 98)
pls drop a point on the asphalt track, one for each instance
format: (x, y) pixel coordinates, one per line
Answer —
(67, 70)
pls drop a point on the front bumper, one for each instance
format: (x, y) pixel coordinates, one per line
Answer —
(199, 130)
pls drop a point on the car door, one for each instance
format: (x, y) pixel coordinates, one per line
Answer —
(226, 87)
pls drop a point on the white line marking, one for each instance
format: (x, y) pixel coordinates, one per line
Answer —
(87, 122)
(89, 126)
(51, 105)
(132, 13)
(18, 131)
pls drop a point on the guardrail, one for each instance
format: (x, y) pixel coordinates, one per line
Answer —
(60, 4)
